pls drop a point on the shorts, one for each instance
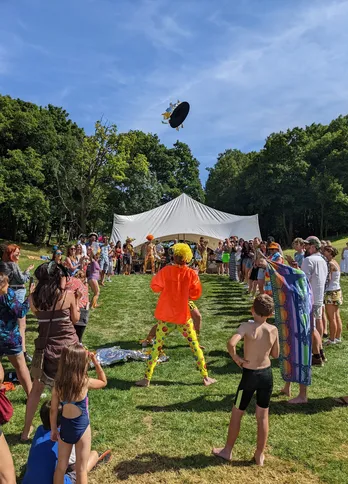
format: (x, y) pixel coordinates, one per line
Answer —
(218, 261)
(84, 315)
(127, 259)
(261, 275)
(104, 265)
(20, 294)
(254, 274)
(317, 311)
(333, 297)
(259, 381)
(6, 350)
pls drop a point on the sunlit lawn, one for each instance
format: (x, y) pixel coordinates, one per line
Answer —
(165, 433)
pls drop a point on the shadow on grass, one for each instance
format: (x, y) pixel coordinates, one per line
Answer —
(314, 405)
(152, 462)
(203, 403)
(127, 384)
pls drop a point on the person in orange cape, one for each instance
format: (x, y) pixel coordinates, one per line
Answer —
(176, 284)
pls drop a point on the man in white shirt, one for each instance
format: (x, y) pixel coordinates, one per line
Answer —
(315, 268)
(82, 242)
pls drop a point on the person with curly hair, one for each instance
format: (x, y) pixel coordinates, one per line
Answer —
(177, 284)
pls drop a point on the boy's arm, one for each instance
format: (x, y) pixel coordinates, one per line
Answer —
(157, 282)
(232, 344)
(275, 348)
(54, 415)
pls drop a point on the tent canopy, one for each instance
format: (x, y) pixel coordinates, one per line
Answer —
(184, 218)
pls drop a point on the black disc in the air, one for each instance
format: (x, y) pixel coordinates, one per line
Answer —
(179, 114)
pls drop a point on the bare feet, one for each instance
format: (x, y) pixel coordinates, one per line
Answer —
(208, 381)
(298, 400)
(143, 383)
(259, 458)
(26, 437)
(224, 453)
(286, 391)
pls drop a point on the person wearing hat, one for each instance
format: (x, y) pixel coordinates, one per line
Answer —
(176, 284)
(128, 254)
(315, 268)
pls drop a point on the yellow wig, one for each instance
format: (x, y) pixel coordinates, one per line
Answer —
(183, 251)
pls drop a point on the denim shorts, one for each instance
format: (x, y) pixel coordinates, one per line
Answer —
(5, 350)
(104, 265)
(20, 294)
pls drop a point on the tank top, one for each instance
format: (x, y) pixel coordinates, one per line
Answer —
(334, 283)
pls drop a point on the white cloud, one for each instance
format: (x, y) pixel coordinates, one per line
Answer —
(264, 80)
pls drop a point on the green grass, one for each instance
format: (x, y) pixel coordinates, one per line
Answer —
(165, 433)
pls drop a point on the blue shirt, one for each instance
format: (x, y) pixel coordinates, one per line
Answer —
(10, 310)
(42, 460)
(299, 256)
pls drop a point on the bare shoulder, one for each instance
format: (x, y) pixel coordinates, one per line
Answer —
(271, 328)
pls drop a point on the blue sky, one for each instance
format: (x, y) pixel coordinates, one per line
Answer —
(247, 67)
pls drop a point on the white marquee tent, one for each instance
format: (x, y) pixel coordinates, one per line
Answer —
(184, 218)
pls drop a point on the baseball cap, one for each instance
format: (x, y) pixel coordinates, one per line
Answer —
(273, 246)
(313, 240)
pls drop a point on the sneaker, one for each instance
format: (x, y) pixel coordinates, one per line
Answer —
(325, 336)
(338, 341)
(317, 361)
(330, 342)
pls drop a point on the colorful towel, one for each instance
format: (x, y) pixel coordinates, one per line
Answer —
(292, 304)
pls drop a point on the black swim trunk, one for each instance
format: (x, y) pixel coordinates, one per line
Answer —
(259, 381)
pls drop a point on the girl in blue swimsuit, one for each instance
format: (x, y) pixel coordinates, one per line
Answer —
(71, 390)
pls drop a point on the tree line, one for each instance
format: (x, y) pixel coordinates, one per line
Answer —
(298, 182)
(57, 180)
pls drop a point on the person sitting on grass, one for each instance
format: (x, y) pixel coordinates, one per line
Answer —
(71, 389)
(43, 455)
(177, 284)
(260, 342)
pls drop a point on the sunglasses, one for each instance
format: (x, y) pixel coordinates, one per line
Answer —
(59, 253)
(72, 248)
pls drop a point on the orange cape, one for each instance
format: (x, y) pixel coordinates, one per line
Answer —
(176, 285)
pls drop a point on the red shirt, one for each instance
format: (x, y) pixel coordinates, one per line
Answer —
(177, 284)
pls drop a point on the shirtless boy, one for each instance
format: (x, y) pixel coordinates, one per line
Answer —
(260, 342)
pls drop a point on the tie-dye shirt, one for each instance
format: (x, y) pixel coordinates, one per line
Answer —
(10, 310)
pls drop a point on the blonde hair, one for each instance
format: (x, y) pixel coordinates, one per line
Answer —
(3, 280)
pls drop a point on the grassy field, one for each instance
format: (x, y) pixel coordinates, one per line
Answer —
(165, 433)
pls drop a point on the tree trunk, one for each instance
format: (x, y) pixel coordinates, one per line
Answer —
(322, 222)
(83, 214)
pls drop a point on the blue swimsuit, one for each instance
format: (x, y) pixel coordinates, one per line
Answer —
(72, 429)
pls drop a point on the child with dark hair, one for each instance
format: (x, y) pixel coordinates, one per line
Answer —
(260, 342)
(43, 455)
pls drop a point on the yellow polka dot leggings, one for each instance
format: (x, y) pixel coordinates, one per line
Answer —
(188, 332)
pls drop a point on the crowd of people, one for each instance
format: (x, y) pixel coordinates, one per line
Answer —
(304, 296)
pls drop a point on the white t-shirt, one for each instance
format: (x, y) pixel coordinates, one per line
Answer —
(315, 268)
